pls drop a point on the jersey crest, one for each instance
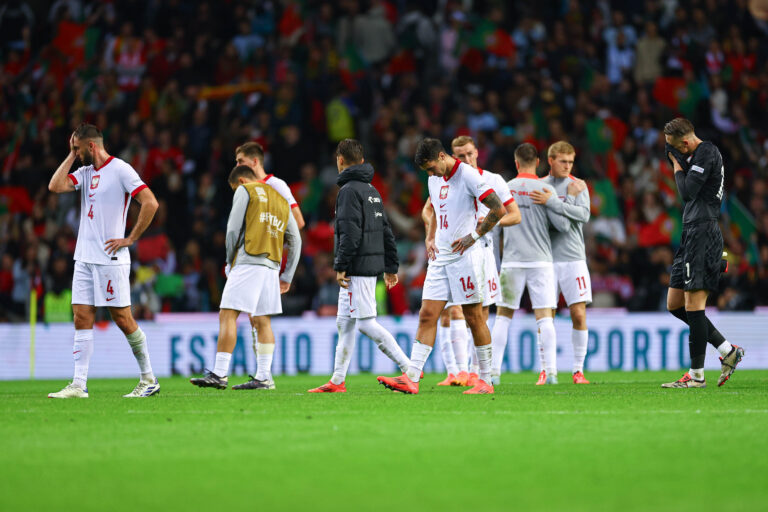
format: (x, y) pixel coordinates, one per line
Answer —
(94, 182)
(444, 191)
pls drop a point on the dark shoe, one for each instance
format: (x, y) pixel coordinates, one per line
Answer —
(210, 380)
(254, 383)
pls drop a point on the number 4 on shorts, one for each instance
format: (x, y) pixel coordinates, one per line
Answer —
(110, 290)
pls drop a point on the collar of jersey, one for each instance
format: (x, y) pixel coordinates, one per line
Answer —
(527, 175)
(453, 170)
(266, 178)
(104, 164)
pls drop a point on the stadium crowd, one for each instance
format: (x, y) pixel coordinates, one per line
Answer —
(176, 85)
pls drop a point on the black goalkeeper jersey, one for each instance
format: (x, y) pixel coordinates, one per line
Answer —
(701, 184)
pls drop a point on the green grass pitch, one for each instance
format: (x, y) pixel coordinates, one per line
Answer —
(622, 443)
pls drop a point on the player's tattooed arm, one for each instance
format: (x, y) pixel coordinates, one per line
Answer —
(495, 213)
(149, 206)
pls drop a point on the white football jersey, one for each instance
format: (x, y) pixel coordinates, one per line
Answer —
(282, 188)
(455, 198)
(104, 196)
(497, 183)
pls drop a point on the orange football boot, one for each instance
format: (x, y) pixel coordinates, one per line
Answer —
(461, 379)
(578, 378)
(473, 379)
(402, 384)
(481, 388)
(448, 380)
(542, 378)
(329, 388)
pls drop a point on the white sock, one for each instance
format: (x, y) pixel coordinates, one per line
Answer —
(81, 353)
(459, 342)
(725, 348)
(541, 350)
(221, 367)
(446, 349)
(385, 341)
(484, 359)
(138, 342)
(264, 352)
(474, 367)
(548, 344)
(344, 348)
(419, 354)
(499, 336)
(580, 340)
(697, 374)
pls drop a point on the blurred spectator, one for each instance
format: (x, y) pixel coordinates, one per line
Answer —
(176, 86)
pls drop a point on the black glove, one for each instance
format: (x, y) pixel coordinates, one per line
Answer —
(681, 158)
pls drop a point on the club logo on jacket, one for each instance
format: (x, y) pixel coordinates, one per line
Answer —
(95, 182)
(444, 192)
(372, 199)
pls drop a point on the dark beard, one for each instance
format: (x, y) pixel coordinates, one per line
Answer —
(87, 158)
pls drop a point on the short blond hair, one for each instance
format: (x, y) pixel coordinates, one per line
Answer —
(461, 140)
(560, 148)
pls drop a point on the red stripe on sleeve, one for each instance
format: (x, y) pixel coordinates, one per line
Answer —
(72, 177)
(294, 205)
(509, 201)
(487, 193)
(139, 189)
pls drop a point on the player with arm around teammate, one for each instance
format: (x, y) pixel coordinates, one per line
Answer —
(456, 273)
(102, 260)
(568, 251)
(364, 248)
(259, 224)
(527, 263)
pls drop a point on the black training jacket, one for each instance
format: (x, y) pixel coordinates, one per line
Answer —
(363, 242)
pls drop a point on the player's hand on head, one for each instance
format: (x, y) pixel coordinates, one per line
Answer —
(342, 279)
(390, 280)
(115, 244)
(541, 196)
(72, 149)
(462, 244)
(284, 287)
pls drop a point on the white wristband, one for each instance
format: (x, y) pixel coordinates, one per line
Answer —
(475, 235)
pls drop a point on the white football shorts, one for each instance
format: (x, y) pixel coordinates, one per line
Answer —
(253, 289)
(460, 282)
(359, 300)
(493, 289)
(101, 285)
(573, 281)
(540, 282)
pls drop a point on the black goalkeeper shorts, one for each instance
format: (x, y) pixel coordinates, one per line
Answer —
(697, 261)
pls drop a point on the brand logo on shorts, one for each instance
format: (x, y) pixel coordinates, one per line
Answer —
(95, 182)
(444, 192)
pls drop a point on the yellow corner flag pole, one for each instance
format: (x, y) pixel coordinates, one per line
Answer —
(32, 323)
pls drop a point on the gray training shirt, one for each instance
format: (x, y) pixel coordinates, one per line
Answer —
(568, 246)
(528, 244)
(235, 242)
